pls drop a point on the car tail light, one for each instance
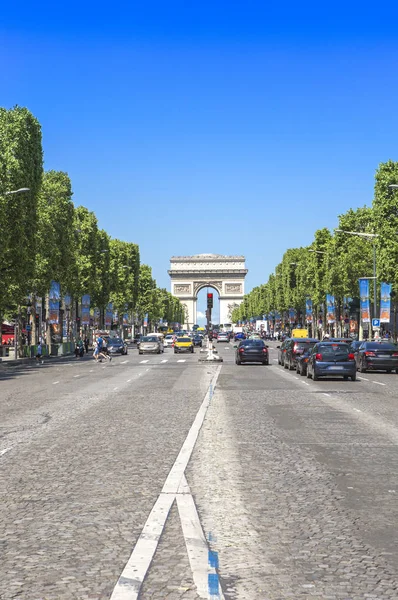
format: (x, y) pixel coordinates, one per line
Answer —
(351, 356)
(241, 349)
(370, 353)
(395, 353)
(265, 350)
(318, 356)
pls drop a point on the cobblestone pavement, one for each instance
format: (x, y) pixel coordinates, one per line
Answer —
(295, 482)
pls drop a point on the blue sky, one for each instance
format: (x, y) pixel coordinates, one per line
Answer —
(223, 127)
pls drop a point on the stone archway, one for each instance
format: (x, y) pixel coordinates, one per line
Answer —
(226, 274)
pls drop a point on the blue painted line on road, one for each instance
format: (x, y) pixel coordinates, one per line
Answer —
(213, 559)
(213, 585)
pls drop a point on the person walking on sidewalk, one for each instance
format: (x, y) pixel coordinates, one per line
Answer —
(86, 344)
(39, 353)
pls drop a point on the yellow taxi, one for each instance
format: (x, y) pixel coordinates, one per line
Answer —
(183, 344)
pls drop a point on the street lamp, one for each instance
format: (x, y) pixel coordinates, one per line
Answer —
(369, 236)
(317, 251)
(17, 191)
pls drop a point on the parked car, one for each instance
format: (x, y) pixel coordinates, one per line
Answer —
(116, 345)
(294, 347)
(302, 362)
(239, 336)
(222, 337)
(328, 359)
(183, 344)
(282, 352)
(252, 351)
(354, 347)
(378, 356)
(150, 343)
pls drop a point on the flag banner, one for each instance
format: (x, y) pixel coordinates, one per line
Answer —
(108, 315)
(308, 310)
(278, 318)
(67, 300)
(364, 300)
(115, 317)
(385, 302)
(97, 314)
(146, 320)
(125, 319)
(345, 313)
(86, 309)
(330, 309)
(292, 316)
(54, 298)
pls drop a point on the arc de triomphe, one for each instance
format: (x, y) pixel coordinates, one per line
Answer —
(226, 274)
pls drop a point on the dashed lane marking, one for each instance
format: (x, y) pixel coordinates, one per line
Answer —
(181, 360)
(364, 378)
(378, 383)
(128, 380)
(142, 362)
(325, 394)
(163, 361)
(4, 451)
(55, 382)
(356, 410)
(130, 581)
(124, 362)
(76, 376)
(114, 389)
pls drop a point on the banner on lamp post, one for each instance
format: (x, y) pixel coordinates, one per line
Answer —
(108, 315)
(385, 302)
(146, 320)
(364, 300)
(86, 309)
(292, 316)
(125, 319)
(308, 310)
(97, 315)
(54, 298)
(330, 309)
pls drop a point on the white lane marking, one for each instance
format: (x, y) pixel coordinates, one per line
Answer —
(275, 359)
(76, 376)
(181, 360)
(128, 380)
(4, 451)
(163, 361)
(325, 394)
(91, 370)
(130, 581)
(378, 383)
(147, 369)
(55, 382)
(124, 362)
(195, 540)
(142, 362)
(305, 383)
(356, 410)
(364, 378)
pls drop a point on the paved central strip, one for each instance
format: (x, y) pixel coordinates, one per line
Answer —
(130, 581)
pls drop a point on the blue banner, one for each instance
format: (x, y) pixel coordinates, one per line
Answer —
(108, 316)
(54, 298)
(292, 316)
(385, 302)
(86, 309)
(364, 300)
(308, 310)
(97, 315)
(146, 320)
(125, 319)
(330, 309)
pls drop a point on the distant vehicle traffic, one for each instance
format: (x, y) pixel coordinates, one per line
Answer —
(222, 336)
(116, 345)
(150, 343)
(183, 344)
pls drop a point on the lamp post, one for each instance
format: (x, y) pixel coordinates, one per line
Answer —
(20, 191)
(369, 236)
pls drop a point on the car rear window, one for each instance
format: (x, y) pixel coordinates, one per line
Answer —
(301, 347)
(149, 339)
(378, 345)
(334, 351)
(183, 339)
(253, 343)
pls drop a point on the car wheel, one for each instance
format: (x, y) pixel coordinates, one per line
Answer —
(238, 362)
(345, 377)
(291, 366)
(285, 364)
(302, 372)
(298, 370)
(265, 362)
(388, 370)
(354, 377)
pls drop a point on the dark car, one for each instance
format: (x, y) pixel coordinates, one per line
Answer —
(239, 336)
(302, 362)
(197, 340)
(354, 347)
(282, 352)
(252, 351)
(341, 339)
(381, 356)
(137, 338)
(294, 348)
(116, 346)
(328, 359)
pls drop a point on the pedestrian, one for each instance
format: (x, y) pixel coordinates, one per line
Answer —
(102, 351)
(96, 350)
(39, 353)
(86, 344)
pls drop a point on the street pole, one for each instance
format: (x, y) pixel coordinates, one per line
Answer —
(374, 283)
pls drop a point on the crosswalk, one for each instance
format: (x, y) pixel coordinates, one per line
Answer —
(162, 362)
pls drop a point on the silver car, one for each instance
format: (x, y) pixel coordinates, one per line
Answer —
(150, 344)
(169, 340)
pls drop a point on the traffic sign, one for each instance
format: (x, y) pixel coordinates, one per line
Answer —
(28, 328)
(375, 323)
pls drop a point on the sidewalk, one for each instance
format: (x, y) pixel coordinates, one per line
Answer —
(10, 361)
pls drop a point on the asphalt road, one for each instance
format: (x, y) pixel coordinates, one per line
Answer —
(291, 486)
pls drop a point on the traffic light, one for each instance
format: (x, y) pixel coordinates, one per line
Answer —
(209, 300)
(36, 320)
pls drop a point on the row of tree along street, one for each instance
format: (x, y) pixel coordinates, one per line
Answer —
(320, 283)
(45, 240)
